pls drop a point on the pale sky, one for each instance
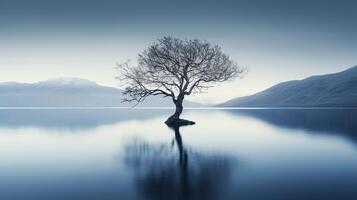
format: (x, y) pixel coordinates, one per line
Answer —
(277, 40)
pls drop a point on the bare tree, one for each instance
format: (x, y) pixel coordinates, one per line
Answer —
(176, 68)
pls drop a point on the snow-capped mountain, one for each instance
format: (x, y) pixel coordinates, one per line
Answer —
(68, 81)
(69, 92)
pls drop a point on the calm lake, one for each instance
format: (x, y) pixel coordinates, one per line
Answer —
(131, 154)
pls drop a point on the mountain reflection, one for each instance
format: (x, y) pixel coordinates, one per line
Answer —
(81, 119)
(326, 121)
(171, 171)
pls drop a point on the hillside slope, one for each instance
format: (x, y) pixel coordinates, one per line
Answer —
(331, 90)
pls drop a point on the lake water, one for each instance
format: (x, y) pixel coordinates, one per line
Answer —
(131, 154)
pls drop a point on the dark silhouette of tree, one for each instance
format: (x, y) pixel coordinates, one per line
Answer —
(176, 68)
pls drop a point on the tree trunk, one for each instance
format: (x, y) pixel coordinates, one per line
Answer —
(178, 111)
(174, 119)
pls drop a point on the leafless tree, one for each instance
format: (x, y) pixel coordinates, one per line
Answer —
(176, 68)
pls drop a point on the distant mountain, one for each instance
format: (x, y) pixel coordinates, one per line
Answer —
(69, 92)
(331, 90)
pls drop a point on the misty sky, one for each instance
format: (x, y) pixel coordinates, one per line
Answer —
(278, 40)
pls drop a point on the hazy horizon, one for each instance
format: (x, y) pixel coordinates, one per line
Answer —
(76, 80)
(277, 40)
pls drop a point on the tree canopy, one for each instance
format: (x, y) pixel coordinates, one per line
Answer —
(175, 68)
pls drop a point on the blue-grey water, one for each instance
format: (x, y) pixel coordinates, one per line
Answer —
(248, 154)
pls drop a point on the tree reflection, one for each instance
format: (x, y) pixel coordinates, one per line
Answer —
(164, 171)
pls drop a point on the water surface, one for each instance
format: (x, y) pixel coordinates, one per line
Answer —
(132, 154)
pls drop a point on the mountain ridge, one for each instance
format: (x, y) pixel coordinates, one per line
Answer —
(329, 90)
